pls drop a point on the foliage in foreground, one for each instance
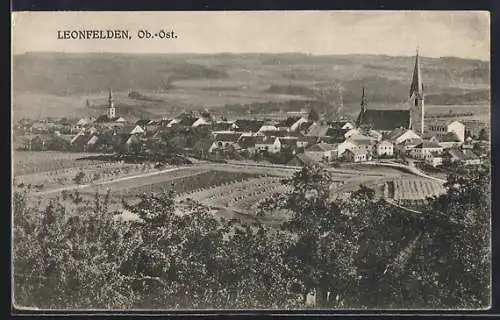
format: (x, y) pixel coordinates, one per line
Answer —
(352, 252)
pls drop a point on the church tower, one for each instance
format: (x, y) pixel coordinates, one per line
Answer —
(417, 109)
(364, 103)
(111, 106)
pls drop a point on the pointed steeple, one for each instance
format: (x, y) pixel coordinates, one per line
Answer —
(111, 105)
(110, 95)
(364, 103)
(417, 87)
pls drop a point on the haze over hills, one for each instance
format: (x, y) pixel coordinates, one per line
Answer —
(61, 84)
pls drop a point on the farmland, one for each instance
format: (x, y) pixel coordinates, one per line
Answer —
(44, 161)
(415, 189)
(236, 187)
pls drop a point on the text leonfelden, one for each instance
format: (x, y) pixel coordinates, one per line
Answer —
(117, 34)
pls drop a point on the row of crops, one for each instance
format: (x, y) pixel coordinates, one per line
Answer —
(413, 190)
(182, 181)
(243, 195)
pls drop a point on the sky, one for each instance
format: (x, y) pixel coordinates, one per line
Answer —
(463, 34)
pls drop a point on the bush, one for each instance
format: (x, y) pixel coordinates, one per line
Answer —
(80, 176)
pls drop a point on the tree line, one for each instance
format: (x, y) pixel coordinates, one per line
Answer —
(352, 252)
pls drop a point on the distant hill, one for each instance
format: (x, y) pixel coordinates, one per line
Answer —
(168, 81)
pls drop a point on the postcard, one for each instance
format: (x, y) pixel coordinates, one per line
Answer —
(262, 160)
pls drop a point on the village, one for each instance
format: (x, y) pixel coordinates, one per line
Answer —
(302, 137)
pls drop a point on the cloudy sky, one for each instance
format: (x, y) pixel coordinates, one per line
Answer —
(446, 33)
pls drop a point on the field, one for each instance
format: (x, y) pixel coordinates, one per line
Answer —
(54, 84)
(232, 189)
(415, 189)
(44, 161)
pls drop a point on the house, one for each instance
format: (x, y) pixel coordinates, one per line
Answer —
(287, 144)
(35, 143)
(131, 129)
(301, 113)
(334, 135)
(268, 128)
(185, 121)
(363, 142)
(317, 129)
(344, 146)
(342, 124)
(82, 122)
(466, 157)
(222, 126)
(224, 140)
(351, 132)
(440, 128)
(288, 122)
(434, 160)
(356, 155)
(249, 142)
(142, 122)
(328, 152)
(298, 123)
(425, 150)
(247, 125)
(400, 135)
(385, 148)
(129, 142)
(202, 121)
(84, 141)
(449, 140)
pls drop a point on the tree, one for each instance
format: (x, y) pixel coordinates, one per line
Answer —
(483, 135)
(326, 238)
(313, 115)
(64, 261)
(455, 254)
(79, 177)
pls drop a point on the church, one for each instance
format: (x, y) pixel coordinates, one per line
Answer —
(110, 115)
(386, 120)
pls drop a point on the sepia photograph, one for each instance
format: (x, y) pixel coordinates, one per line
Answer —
(251, 160)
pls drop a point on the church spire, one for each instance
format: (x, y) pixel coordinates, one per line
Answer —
(417, 96)
(417, 87)
(363, 101)
(111, 105)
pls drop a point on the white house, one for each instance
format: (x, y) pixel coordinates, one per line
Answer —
(385, 148)
(224, 140)
(326, 151)
(441, 128)
(298, 123)
(268, 127)
(201, 121)
(173, 122)
(434, 160)
(425, 150)
(348, 144)
(399, 135)
(356, 155)
(352, 132)
(137, 130)
(467, 157)
(458, 128)
(348, 126)
(448, 140)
